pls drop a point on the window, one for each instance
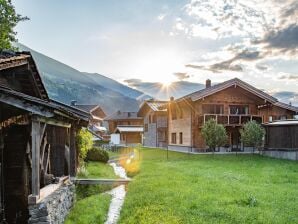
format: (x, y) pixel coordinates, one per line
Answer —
(146, 127)
(213, 109)
(180, 138)
(283, 117)
(173, 138)
(238, 109)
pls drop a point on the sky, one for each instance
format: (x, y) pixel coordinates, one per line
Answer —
(135, 41)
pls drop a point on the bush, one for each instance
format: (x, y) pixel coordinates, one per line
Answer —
(214, 134)
(84, 143)
(252, 134)
(98, 154)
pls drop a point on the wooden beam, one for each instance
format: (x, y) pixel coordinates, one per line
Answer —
(72, 152)
(54, 122)
(35, 150)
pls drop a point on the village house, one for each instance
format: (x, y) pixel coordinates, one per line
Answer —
(155, 118)
(97, 117)
(231, 103)
(37, 145)
(128, 126)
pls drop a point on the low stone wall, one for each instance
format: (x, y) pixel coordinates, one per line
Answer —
(54, 208)
(281, 154)
(180, 148)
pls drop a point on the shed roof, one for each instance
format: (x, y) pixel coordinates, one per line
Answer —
(46, 108)
(282, 123)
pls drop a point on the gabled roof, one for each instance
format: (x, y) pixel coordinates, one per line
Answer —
(154, 105)
(123, 116)
(121, 129)
(286, 106)
(224, 85)
(29, 79)
(86, 107)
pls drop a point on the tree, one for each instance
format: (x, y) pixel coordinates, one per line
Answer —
(214, 134)
(8, 20)
(252, 134)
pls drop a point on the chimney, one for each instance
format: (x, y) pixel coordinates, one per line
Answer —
(208, 83)
(172, 98)
(73, 102)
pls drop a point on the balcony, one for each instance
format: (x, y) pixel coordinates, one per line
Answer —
(229, 119)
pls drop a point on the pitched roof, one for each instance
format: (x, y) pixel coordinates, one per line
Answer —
(123, 128)
(123, 116)
(224, 85)
(85, 107)
(46, 108)
(286, 106)
(30, 81)
(155, 105)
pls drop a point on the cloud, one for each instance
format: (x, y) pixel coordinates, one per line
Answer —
(287, 97)
(233, 64)
(284, 40)
(261, 67)
(133, 82)
(288, 77)
(181, 75)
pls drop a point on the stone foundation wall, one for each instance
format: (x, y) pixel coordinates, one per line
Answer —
(54, 208)
(281, 154)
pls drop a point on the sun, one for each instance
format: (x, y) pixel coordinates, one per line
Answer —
(166, 83)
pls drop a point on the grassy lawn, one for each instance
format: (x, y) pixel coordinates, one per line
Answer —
(99, 170)
(92, 206)
(90, 210)
(212, 189)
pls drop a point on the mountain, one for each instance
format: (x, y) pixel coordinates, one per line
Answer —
(65, 84)
(162, 92)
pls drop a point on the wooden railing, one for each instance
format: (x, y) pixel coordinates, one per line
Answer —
(229, 119)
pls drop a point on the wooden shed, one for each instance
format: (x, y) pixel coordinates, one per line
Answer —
(281, 135)
(281, 140)
(37, 139)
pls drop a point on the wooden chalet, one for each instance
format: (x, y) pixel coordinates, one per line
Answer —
(231, 103)
(128, 125)
(96, 121)
(37, 140)
(155, 118)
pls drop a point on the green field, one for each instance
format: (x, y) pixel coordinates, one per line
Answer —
(92, 205)
(211, 189)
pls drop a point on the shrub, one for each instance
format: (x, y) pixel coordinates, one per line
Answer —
(214, 134)
(84, 143)
(98, 154)
(252, 134)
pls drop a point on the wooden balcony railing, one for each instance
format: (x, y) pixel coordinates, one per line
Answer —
(229, 119)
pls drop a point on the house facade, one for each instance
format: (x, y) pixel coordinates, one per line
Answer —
(231, 103)
(155, 118)
(128, 125)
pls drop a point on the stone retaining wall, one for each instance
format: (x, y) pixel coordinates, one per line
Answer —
(54, 208)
